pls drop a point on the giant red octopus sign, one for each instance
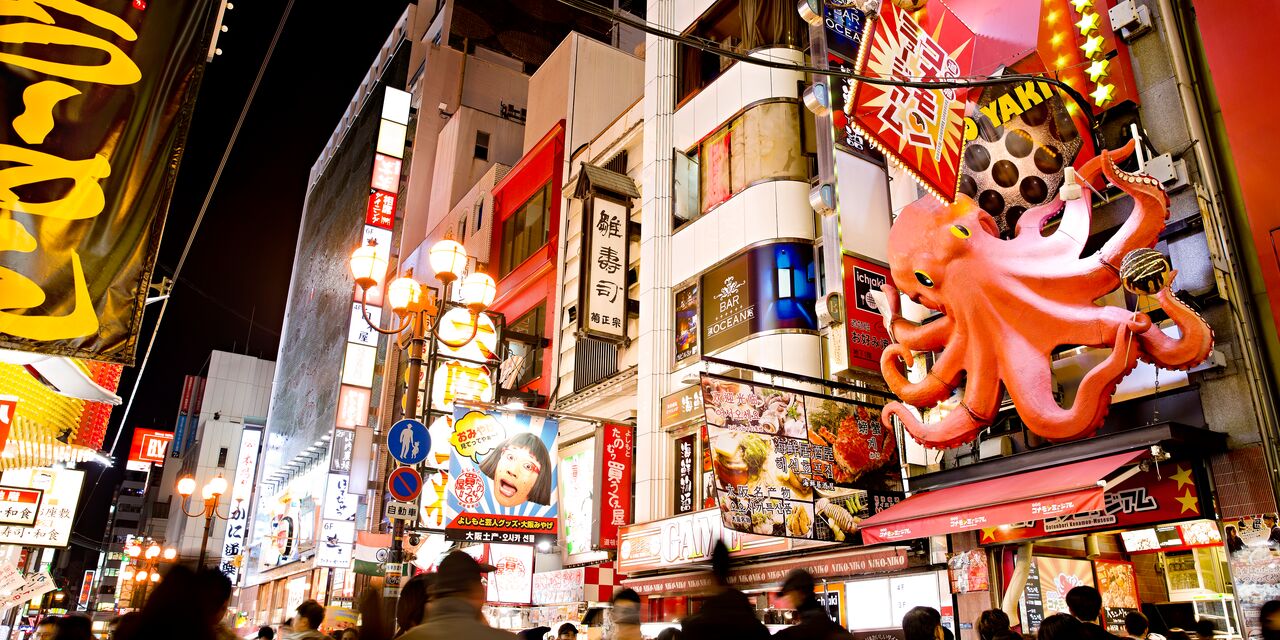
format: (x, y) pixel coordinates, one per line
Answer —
(1006, 305)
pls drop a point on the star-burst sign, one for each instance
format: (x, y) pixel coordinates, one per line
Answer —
(921, 129)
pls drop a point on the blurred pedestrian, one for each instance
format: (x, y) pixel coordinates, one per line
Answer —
(922, 623)
(993, 624)
(411, 609)
(306, 625)
(47, 629)
(373, 622)
(73, 627)
(1061, 626)
(670, 633)
(1273, 538)
(727, 613)
(265, 633)
(1137, 627)
(113, 625)
(1269, 620)
(455, 598)
(567, 631)
(1178, 634)
(1085, 603)
(185, 604)
(1205, 629)
(348, 634)
(535, 633)
(626, 615)
(814, 623)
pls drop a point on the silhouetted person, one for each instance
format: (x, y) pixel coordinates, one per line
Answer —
(814, 623)
(1061, 626)
(536, 633)
(1269, 620)
(993, 624)
(455, 598)
(1137, 627)
(266, 633)
(567, 631)
(185, 604)
(1205, 629)
(626, 615)
(411, 609)
(922, 623)
(1085, 603)
(727, 613)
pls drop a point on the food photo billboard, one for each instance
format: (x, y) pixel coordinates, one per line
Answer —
(503, 474)
(797, 465)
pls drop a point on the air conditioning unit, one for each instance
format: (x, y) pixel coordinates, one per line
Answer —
(997, 447)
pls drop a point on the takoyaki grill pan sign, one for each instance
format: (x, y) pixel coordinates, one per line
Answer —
(797, 465)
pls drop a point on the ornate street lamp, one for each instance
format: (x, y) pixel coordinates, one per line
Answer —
(419, 314)
(146, 556)
(211, 491)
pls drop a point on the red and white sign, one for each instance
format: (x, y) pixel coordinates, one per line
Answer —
(86, 588)
(149, 447)
(616, 453)
(19, 505)
(595, 583)
(386, 173)
(921, 129)
(687, 539)
(866, 332)
(8, 408)
(382, 209)
(512, 579)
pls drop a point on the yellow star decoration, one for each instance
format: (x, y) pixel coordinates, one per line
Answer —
(1088, 23)
(1081, 5)
(1183, 476)
(1099, 69)
(1092, 47)
(1103, 94)
(989, 534)
(1188, 503)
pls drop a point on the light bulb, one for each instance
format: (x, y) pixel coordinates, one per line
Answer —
(448, 259)
(404, 294)
(478, 291)
(186, 486)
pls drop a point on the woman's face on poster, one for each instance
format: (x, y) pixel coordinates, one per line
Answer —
(516, 473)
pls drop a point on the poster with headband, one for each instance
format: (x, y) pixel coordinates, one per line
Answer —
(503, 478)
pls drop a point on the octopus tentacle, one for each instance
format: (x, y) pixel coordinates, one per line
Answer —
(1143, 226)
(1030, 385)
(958, 427)
(934, 388)
(917, 337)
(1177, 353)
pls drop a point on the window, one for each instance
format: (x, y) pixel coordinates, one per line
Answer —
(764, 143)
(462, 229)
(530, 324)
(479, 213)
(482, 146)
(525, 231)
(742, 25)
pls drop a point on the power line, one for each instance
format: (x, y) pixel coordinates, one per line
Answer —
(915, 83)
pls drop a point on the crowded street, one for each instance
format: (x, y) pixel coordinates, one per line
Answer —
(638, 320)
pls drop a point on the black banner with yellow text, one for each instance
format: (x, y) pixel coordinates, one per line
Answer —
(96, 103)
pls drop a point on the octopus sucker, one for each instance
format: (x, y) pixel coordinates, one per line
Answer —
(1007, 305)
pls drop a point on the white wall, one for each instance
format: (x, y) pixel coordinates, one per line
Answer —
(457, 169)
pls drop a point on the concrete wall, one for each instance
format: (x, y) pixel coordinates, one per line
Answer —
(457, 168)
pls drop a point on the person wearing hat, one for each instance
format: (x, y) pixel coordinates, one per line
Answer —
(814, 623)
(455, 599)
(728, 613)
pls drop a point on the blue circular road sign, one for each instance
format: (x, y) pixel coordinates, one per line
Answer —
(405, 484)
(409, 441)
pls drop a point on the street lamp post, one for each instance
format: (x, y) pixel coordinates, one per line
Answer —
(146, 567)
(420, 315)
(211, 491)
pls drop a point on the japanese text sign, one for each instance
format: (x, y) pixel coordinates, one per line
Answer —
(90, 152)
(19, 505)
(616, 455)
(866, 332)
(241, 493)
(686, 446)
(504, 476)
(382, 209)
(604, 312)
(61, 489)
(921, 128)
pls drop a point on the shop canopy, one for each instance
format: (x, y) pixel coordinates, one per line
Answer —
(1022, 497)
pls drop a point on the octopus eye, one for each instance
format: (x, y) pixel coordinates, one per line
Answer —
(924, 279)
(960, 231)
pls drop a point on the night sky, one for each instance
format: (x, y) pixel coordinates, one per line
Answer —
(240, 263)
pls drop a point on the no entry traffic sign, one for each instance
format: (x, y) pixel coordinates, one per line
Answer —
(405, 484)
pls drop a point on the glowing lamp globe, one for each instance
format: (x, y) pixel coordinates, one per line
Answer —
(170, 553)
(126, 574)
(218, 486)
(448, 259)
(404, 294)
(141, 576)
(186, 486)
(478, 291)
(153, 551)
(155, 577)
(368, 265)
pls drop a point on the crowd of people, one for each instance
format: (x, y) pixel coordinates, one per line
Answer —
(448, 604)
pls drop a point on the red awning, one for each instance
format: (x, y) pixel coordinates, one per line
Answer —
(1035, 495)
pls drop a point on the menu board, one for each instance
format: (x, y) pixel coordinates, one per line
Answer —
(1119, 588)
(1033, 600)
(797, 465)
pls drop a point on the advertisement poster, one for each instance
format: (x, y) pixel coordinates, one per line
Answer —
(512, 579)
(687, 323)
(766, 288)
(615, 452)
(795, 465)
(968, 571)
(576, 501)
(686, 458)
(1119, 587)
(866, 332)
(555, 587)
(91, 152)
(1057, 577)
(504, 474)
(1255, 567)
(149, 446)
(61, 489)
(335, 544)
(923, 128)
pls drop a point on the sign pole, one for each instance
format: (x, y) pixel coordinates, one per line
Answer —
(395, 557)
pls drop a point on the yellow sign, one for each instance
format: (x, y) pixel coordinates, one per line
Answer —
(1009, 105)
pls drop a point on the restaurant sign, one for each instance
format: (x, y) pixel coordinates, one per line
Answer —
(841, 565)
(685, 540)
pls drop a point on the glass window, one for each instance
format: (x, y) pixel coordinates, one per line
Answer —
(482, 146)
(764, 143)
(530, 324)
(525, 231)
(740, 25)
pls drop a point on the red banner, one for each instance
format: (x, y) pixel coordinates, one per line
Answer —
(616, 455)
(922, 128)
(1149, 496)
(382, 209)
(865, 326)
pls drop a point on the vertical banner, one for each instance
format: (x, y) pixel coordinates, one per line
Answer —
(184, 411)
(686, 307)
(865, 328)
(241, 494)
(578, 504)
(90, 155)
(797, 465)
(504, 478)
(615, 451)
(604, 295)
(343, 443)
(1118, 585)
